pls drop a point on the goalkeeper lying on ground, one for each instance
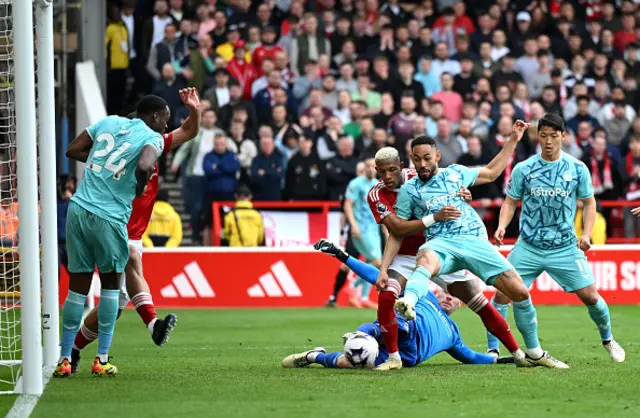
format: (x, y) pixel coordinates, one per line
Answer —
(431, 333)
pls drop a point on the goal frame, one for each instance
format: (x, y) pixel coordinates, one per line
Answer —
(39, 317)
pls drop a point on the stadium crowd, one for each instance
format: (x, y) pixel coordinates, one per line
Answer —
(296, 92)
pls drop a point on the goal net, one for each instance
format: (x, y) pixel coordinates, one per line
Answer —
(10, 335)
(24, 104)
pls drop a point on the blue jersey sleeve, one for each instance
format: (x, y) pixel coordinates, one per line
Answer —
(515, 188)
(469, 175)
(404, 203)
(352, 190)
(585, 186)
(371, 329)
(465, 355)
(156, 141)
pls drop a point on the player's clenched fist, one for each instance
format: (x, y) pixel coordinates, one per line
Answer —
(447, 213)
(465, 194)
(381, 283)
(518, 129)
(584, 243)
(499, 236)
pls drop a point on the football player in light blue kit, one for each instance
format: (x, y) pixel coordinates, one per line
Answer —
(549, 184)
(463, 243)
(365, 231)
(121, 154)
(431, 333)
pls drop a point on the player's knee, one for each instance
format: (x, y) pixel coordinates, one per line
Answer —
(589, 295)
(501, 299)
(519, 293)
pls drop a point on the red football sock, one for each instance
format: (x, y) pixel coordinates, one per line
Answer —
(493, 321)
(144, 305)
(84, 337)
(387, 317)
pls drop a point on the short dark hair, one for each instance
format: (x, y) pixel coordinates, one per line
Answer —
(422, 140)
(150, 104)
(582, 99)
(163, 194)
(243, 191)
(551, 120)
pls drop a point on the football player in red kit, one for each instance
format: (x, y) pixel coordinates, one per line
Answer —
(134, 283)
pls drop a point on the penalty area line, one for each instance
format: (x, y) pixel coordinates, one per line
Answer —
(25, 404)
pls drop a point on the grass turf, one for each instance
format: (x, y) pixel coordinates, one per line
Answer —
(226, 363)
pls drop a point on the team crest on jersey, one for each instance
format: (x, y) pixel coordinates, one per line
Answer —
(567, 176)
(381, 208)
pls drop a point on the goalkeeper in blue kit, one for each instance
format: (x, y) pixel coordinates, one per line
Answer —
(548, 185)
(431, 333)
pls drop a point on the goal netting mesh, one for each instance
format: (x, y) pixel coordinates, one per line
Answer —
(10, 331)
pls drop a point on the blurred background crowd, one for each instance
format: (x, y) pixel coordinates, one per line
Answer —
(297, 92)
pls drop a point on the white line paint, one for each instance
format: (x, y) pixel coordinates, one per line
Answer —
(25, 404)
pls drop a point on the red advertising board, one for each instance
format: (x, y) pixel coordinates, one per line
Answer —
(272, 278)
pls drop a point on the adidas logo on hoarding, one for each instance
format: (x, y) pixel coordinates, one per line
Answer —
(275, 284)
(190, 284)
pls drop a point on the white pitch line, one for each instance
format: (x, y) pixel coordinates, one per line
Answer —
(236, 348)
(25, 404)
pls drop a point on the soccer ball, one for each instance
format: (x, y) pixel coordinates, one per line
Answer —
(361, 350)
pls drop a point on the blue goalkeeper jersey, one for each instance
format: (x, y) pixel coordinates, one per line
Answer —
(549, 191)
(431, 333)
(417, 199)
(109, 182)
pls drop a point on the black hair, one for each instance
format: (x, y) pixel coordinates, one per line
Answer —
(243, 191)
(163, 194)
(582, 98)
(150, 104)
(422, 140)
(552, 120)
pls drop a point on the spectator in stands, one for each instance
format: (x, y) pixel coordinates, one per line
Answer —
(267, 171)
(237, 103)
(165, 226)
(464, 82)
(485, 66)
(430, 81)
(400, 126)
(387, 109)
(167, 51)
(441, 62)
(153, 30)
(379, 140)
(117, 42)
(243, 226)
(305, 83)
(528, 65)
(247, 149)
(406, 85)
(187, 35)
(267, 48)
(506, 73)
(219, 94)
(200, 66)
(241, 69)
(189, 159)
(346, 81)
(476, 156)
(582, 115)
(449, 147)
(618, 126)
(305, 178)
(342, 109)
(221, 170)
(341, 169)
(363, 93)
(451, 100)
(632, 178)
(308, 46)
(168, 88)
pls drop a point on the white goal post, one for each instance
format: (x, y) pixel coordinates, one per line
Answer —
(29, 308)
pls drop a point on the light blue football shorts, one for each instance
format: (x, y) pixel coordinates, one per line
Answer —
(465, 252)
(567, 265)
(93, 241)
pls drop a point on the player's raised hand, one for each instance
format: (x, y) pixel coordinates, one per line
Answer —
(189, 97)
(382, 281)
(584, 243)
(636, 211)
(447, 213)
(518, 129)
(499, 236)
(465, 194)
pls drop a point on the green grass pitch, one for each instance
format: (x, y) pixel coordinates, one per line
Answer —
(226, 363)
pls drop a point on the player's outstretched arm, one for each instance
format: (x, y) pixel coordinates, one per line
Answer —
(191, 126)
(465, 355)
(507, 211)
(80, 148)
(492, 171)
(145, 166)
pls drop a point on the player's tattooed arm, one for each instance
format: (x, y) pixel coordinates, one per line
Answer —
(507, 211)
(145, 166)
(191, 126)
(492, 171)
(80, 148)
